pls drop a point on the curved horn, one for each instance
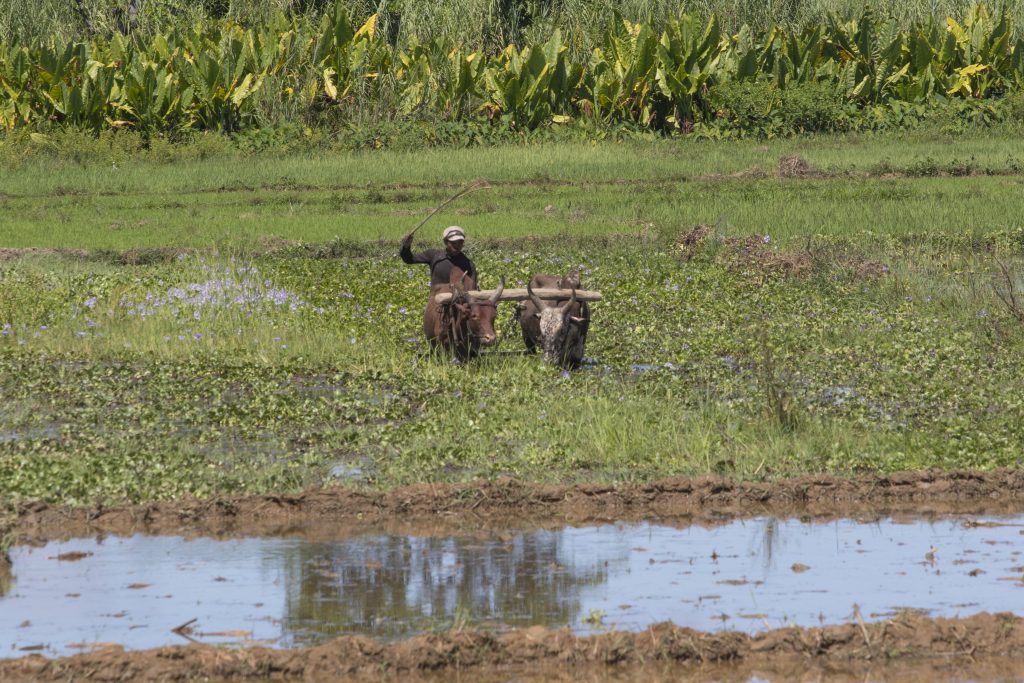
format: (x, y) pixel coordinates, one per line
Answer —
(462, 281)
(537, 301)
(567, 306)
(497, 294)
(458, 293)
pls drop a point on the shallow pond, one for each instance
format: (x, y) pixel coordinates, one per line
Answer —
(746, 575)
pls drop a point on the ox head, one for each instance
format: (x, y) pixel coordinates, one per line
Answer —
(480, 315)
(562, 329)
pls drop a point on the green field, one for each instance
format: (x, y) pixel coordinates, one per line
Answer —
(893, 185)
(234, 323)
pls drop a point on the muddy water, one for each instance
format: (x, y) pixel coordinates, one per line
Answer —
(746, 575)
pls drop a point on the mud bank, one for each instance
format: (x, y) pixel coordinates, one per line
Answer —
(906, 637)
(515, 504)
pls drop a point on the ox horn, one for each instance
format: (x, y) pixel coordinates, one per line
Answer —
(458, 290)
(497, 294)
(537, 301)
(567, 306)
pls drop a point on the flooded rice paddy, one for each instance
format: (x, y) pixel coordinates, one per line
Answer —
(747, 575)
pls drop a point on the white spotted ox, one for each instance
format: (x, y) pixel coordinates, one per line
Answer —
(559, 329)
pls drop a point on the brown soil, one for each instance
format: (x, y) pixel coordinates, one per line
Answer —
(865, 268)
(907, 636)
(508, 503)
(12, 253)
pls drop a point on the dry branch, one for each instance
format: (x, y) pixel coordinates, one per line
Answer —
(1009, 295)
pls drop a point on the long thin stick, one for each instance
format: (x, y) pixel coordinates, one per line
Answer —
(481, 185)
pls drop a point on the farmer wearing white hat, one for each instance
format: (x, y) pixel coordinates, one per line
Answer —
(442, 261)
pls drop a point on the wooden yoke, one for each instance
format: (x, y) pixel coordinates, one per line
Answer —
(509, 294)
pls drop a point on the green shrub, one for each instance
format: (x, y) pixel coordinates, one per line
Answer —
(762, 109)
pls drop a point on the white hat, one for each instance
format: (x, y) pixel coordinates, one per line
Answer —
(453, 232)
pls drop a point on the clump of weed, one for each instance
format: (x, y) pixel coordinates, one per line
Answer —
(689, 243)
(5, 561)
(779, 403)
(1007, 287)
(754, 255)
(794, 166)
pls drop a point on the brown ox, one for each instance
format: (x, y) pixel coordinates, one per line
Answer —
(560, 330)
(462, 325)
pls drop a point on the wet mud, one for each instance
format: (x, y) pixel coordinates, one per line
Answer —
(288, 592)
(511, 504)
(984, 637)
(980, 647)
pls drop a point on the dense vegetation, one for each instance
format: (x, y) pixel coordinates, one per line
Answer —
(757, 322)
(488, 25)
(683, 74)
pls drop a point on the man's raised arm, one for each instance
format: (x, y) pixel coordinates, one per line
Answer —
(406, 252)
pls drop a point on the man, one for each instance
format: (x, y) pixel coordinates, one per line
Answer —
(441, 261)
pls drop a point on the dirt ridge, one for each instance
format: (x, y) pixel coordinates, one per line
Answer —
(906, 636)
(510, 503)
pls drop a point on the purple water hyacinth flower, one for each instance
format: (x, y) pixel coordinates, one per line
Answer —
(403, 310)
(44, 327)
(81, 334)
(766, 239)
(90, 302)
(221, 290)
(566, 374)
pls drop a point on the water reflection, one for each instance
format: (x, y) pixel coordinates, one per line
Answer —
(5, 576)
(745, 574)
(392, 585)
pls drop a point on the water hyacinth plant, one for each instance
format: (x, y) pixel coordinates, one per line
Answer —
(297, 367)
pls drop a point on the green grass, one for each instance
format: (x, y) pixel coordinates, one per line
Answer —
(572, 189)
(864, 336)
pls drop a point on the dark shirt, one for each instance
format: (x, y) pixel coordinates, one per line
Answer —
(441, 264)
